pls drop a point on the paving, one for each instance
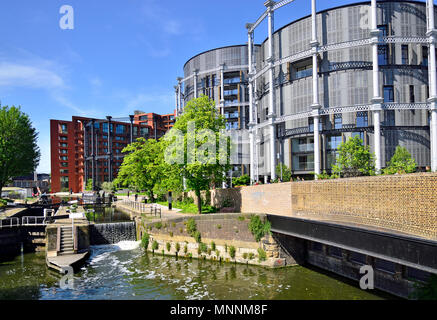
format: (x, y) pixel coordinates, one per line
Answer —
(64, 262)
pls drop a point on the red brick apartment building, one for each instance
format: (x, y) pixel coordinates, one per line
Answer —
(79, 148)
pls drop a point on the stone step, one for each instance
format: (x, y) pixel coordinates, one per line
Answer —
(66, 252)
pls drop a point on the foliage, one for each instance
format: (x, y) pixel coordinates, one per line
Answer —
(324, 176)
(286, 172)
(241, 218)
(145, 241)
(251, 255)
(203, 247)
(209, 209)
(243, 180)
(158, 225)
(232, 251)
(245, 256)
(155, 245)
(197, 236)
(227, 203)
(185, 249)
(168, 245)
(191, 226)
(401, 162)
(142, 166)
(178, 247)
(262, 256)
(19, 152)
(259, 228)
(108, 186)
(213, 247)
(200, 114)
(427, 290)
(354, 159)
(89, 185)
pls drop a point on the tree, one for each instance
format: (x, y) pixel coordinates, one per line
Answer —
(141, 166)
(19, 152)
(243, 180)
(89, 185)
(108, 186)
(286, 172)
(354, 159)
(401, 162)
(191, 151)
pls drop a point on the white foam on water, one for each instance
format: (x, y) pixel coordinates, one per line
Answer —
(101, 252)
(127, 245)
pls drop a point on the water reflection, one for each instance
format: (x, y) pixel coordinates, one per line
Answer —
(123, 271)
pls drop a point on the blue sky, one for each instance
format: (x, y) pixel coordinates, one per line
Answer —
(120, 56)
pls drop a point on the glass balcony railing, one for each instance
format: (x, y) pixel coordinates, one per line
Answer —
(303, 147)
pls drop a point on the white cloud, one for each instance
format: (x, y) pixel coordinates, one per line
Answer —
(24, 75)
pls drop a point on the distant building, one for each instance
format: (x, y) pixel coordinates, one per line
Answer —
(81, 149)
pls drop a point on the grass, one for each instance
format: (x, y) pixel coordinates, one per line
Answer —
(185, 207)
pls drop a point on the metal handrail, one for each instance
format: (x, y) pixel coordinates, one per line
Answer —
(33, 221)
(9, 222)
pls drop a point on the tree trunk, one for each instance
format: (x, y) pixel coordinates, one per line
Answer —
(199, 202)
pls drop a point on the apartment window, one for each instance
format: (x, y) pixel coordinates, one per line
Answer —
(64, 128)
(405, 58)
(65, 158)
(64, 145)
(338, 121)
(424, 56)
(105, 127)
(63, 151)
(144, 132)
(388, 94)
(389, 116)
(64, 164)
(362, 119)
(384, 29)
(143, 118)
(64, 183)
(412, 97)
(120, 129)
(63, 138)
(303, 162)
(64, 171)
(304, 71)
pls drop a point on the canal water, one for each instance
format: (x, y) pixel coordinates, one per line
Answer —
(124, 271)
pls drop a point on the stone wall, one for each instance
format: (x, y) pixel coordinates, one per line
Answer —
(405, 203)
(225, 230)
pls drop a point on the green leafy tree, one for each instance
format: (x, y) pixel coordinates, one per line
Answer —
(286, 172)
(141, 167)
(89, 185)
(108, 186)
(19, 152)
(401, 162)
(195, 138)
(354, 159)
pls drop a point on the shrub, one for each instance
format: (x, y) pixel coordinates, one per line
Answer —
(219, 226)
(262, 256)
(158, 225)
(243, 180)
(171, 234)
(226, 247)
(155, 245)
(177, 247)
(240, 218)
(181, 230)
(190, 255)
(191, 226)
(258, 228)
(232, 252)
(251, 255)
(145, 241)
(227, 203)
(197, 236)
(286, 172)
(203, 247)
(173, 224)
(217, 253)
(209, 209)
(401, 162)
(245, 255)
(185, 249)
(213, 246)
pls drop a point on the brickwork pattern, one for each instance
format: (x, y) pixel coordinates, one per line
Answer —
(405, 203)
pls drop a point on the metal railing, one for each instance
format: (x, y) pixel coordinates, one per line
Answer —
(34, 221)
(9, 223)
(141, 207)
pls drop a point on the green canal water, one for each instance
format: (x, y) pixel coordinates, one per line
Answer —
(124, 271)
